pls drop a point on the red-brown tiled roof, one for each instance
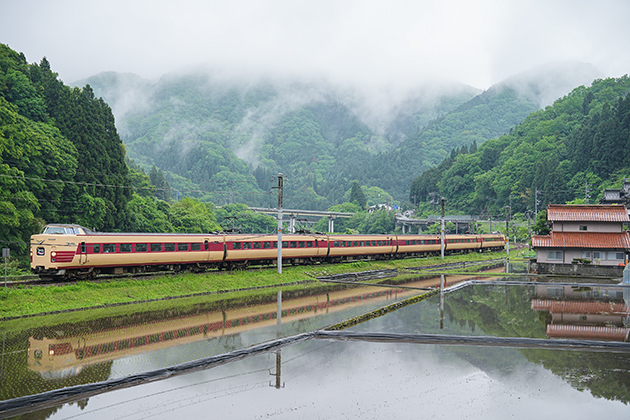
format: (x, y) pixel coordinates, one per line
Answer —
(586, 240)
(587, 332)
(586, 213)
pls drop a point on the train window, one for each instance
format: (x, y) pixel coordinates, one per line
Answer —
(285, 244)
(267, 245)
(205, 244)
(362, 243)
(378, 243)
(236, 245)
(109, 248)
(256, 245)
(293, 244)
(196, 246)
(336, 243)
(373, 243)
(141, 247)
(182, 247)
(97, 248)
(83, 248)
(356, 243)
(156, 247)
(309, 244)
(41, 251)
(125, 247)
(247, 245)
(275, 245)
(301, 244)
(406, 242)
(139, 341)
(169, 247)
(342, 243)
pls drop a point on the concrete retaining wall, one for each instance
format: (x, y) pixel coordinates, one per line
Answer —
(576, 269)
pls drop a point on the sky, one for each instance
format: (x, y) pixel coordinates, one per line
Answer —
(363, 42)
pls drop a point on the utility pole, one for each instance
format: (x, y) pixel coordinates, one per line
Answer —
(528, 213)
(586, 195)
(536, 202)
(442, 240)
(280, 186)
(507, 229)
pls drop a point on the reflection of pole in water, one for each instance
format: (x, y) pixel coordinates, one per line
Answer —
(279, 333)
(442, 281)
(279, 315)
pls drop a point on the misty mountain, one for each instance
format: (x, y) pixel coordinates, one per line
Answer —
(488, 115)
(221, 137)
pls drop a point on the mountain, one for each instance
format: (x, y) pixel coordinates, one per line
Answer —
(221, 137)
(554, 156)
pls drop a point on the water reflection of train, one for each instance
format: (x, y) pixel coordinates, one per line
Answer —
(584, 312)
(72, 251)
(63, 356)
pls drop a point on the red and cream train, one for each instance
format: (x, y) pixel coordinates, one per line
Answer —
(71, 251)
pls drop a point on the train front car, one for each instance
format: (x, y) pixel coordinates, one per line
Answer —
(57, 249)
(71, 251)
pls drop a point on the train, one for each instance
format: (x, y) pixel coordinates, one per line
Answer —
(69, 251)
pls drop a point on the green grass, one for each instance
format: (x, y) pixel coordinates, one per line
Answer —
(25, 301)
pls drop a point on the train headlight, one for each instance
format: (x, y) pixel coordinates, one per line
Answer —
(53, 254)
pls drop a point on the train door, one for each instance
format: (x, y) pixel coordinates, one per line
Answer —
(83, 255)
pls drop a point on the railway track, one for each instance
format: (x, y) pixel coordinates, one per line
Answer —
(30, 281)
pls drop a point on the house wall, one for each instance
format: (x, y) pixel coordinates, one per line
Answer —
(590, 226)
(569, 254)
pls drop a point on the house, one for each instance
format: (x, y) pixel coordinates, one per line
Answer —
(591, 234)
(617, 196)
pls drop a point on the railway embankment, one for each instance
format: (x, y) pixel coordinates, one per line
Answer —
(33, 300)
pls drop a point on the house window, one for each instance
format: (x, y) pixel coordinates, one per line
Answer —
(599, 255)
(583, 227)
(616, 255)
(586, 254)
(554, 255)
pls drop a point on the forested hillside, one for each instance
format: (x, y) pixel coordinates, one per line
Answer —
(60, 153)
(62, 161)
(221, 138)
(582, 138)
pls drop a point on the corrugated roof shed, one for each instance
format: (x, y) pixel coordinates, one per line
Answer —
(588, 240)
(587, 213)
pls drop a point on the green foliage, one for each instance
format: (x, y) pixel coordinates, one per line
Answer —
(542, 226)
(192, 216)
(554, 152)
(357, 196)
(240, 217)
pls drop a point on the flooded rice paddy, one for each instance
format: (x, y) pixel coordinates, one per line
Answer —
(486, 347)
